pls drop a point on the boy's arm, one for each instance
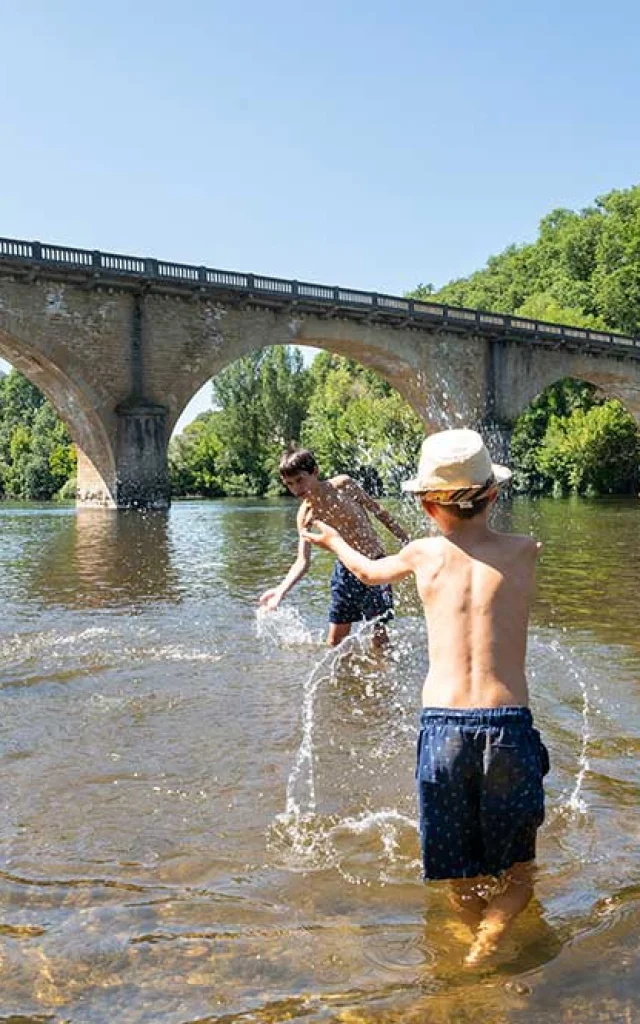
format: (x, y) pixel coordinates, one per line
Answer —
(368, 570)
(272, 598)
(358, 494)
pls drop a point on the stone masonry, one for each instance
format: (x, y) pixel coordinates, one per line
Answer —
(120, 362)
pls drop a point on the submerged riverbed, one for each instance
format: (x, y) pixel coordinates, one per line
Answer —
(207, 816)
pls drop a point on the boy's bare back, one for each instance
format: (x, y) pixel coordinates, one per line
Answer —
(341, 503)
(476, 589)
(480, 762)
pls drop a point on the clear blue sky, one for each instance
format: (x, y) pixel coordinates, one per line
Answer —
(375, 145)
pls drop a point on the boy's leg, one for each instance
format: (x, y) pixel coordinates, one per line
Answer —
(467, 901)
(377, 603)
(501, 910)
(351, 600)
(340, 608)
(337, 632)
(512, 810)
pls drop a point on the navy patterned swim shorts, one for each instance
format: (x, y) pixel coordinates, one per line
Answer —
(352, 600)
(480, 791)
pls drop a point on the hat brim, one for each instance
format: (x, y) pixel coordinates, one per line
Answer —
(501, 475)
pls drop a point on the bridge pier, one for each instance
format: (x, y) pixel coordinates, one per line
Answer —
(142, 478)
(139, 477)
(497, 437)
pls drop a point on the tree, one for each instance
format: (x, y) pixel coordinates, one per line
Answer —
(260, 402)
(530, 429)
(357, 424)
(582, 270)
(37, 456)
(583, 265)
(592, 451)
(194, 458)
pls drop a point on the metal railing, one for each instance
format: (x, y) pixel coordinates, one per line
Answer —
(414, 311)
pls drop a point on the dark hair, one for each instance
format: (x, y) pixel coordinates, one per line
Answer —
(297, 460)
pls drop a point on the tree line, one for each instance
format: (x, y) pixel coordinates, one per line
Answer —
(582, 270)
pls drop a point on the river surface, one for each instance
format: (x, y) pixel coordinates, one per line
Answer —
(208, 816)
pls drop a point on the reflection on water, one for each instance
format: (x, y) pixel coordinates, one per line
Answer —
(590, 564)
(100, 558)
(207, 816)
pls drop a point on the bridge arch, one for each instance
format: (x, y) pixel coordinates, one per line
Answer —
(522, 374)
(437, 382)
(353, 418)
(610, 388)
(75, 404)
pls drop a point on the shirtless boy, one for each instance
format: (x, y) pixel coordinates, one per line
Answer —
(343, 504)
(480, 761)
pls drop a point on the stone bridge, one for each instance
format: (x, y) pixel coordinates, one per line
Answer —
(120, 344)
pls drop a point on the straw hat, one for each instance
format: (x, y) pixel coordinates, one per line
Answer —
(455, 468)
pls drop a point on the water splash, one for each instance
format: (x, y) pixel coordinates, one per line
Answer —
(284, 627)
(305, 838)
(575, 803)
(390, 826)
(371, 847)
(439, 408)
(301, 793)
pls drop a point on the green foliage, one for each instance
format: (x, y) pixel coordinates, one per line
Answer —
(352, 419)
(261, 402)
(592, 451)
(357, 424)
(583, 269)
(573, 439)
(194, 459)
(37, 456)
(558, 402)
(68, 490)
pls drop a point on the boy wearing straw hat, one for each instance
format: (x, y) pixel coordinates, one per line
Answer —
(480, 761)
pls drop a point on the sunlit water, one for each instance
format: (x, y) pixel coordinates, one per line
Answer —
(208, 816)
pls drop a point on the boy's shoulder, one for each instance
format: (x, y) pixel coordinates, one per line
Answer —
(518, 543)
(348, 487)
(422, 549)
(342, 481)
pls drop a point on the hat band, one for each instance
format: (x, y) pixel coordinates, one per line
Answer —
(465, 497)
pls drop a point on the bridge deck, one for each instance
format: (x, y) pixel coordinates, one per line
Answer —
(102, 269)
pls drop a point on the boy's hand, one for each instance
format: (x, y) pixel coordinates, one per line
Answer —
(323, 537)
(270, 599)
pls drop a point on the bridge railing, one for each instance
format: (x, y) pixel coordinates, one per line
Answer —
(415, 310)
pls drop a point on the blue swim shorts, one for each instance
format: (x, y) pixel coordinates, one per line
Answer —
(352, 600)
(480, 790)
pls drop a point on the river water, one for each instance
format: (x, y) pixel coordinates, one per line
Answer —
(207, 816)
